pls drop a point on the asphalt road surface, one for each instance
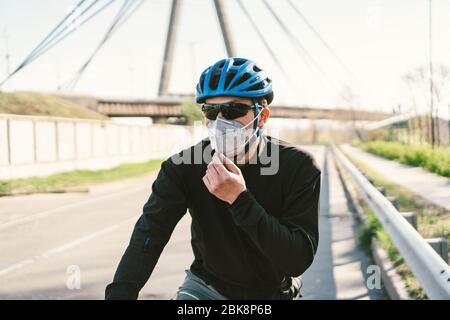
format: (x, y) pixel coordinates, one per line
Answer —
(67, 246)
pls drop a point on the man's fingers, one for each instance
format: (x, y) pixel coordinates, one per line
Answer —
(230, 165)
(219, 167)
(207, 182)
(216, 158)
(212, 174)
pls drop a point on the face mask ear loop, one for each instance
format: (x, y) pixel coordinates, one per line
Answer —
(255, 124)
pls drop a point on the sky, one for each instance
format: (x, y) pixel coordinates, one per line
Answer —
(378, 40)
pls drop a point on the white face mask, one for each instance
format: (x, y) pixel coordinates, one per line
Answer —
(229, 137)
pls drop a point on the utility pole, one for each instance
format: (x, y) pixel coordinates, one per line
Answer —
(430, 43)
(7, 55)
(448, 122)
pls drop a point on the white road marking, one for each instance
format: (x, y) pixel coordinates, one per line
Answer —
(64, 207)
(65, 247)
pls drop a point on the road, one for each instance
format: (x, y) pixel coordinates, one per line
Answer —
(340, 269)
(428, 185)
(50, 241)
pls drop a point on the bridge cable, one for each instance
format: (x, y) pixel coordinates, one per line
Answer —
(55, 40)
(300, 46)
(49, 41)
(266, 44)
(322, 40)
(122, 15)
(43, 41)
(314, 30)
(50, 34)
(55, 33)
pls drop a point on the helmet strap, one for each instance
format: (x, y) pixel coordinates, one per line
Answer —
(255, 123)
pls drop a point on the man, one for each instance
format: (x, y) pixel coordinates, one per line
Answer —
(253, 233)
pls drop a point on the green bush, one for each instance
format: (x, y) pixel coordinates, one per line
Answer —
(436, 160)
(368, 230)
(415, 157)
(191, 112)
(372, 228)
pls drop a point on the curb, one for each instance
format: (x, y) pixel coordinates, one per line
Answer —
(22, 193)
(392, 281)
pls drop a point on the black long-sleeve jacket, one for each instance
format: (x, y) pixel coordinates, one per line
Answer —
(245, 249)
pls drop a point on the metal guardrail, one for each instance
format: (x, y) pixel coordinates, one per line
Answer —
(431, 271)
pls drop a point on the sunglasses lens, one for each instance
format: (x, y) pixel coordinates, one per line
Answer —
(230, 111)
(233, 112)
(210, 112)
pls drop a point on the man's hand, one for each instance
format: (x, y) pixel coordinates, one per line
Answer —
(224, 179)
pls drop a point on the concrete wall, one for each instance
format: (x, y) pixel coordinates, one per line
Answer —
(39, 146)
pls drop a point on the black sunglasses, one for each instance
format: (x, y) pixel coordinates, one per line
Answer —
(230, 111)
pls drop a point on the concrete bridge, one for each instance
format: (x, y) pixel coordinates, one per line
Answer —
(170, 106)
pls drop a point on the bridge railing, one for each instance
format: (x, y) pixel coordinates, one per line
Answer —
(431, 271)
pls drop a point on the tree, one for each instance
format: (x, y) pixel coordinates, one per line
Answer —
(418, 82)
(191, 112)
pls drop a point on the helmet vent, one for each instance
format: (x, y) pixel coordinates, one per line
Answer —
(255, 87)
(244, 77)
(256, 69)
(238, 62)
(230, 76)
(214, 81)
(202, 81)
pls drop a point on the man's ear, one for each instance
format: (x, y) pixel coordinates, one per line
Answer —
(265, 114)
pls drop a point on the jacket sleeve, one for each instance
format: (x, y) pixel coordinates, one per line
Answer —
(289, 241)
(164, 208)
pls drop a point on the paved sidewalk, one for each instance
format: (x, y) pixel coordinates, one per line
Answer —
(339, 270)
(430, 186)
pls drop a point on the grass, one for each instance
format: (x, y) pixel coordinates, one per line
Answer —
(433, 221)
(436, 160)
(78, 178)
(372, 228)
(34, 103)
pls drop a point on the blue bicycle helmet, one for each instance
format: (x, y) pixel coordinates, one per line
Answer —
(237, 77)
